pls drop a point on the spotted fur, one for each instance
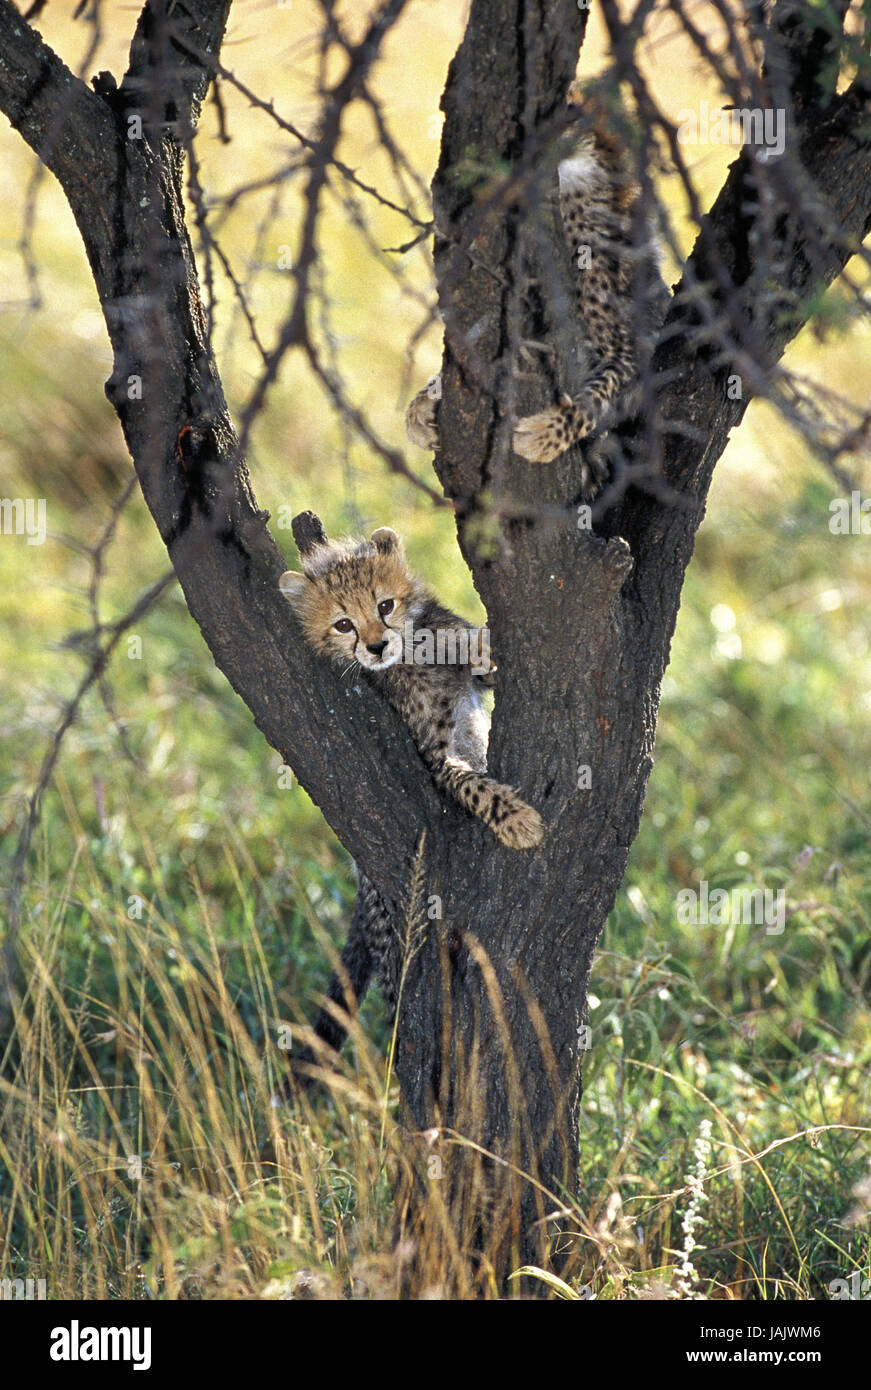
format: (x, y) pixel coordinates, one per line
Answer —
(354, 600)
(340, 597)
(621, 300)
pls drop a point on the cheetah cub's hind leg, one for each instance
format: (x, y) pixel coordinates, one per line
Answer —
(420, 417)
(545, 437)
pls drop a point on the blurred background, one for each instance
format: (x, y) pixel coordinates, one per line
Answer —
(195, 858)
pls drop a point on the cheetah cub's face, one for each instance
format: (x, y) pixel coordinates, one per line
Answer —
(354, 598)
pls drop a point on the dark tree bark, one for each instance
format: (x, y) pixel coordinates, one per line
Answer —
(581, 623)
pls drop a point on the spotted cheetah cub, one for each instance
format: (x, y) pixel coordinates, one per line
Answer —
(358, 602)
(621, 300)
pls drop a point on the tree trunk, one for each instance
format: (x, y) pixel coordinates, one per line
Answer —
(493, 1025)
(494, 1004)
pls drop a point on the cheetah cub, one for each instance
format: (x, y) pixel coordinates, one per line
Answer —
(358, 602)
(620, 295)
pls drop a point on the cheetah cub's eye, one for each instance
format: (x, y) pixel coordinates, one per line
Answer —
(386, 606)
(344, 625)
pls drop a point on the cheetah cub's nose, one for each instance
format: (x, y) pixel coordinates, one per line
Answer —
(376, 648)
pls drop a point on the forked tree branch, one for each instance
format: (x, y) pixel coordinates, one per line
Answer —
(182, 439)
(581, 623)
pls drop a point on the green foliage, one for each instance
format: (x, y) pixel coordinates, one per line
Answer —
(180, 910)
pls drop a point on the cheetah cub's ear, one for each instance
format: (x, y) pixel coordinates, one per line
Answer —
(385, 539)
(292, 584)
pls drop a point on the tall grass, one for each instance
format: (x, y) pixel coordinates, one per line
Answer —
(181, 911)
(141, 1156)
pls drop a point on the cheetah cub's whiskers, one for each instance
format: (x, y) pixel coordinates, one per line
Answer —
(359, 602)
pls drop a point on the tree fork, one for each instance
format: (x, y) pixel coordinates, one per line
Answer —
(489, 1026)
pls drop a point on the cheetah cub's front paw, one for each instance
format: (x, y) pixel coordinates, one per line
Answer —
(420, 417)
(544, 437)
(521, 827)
